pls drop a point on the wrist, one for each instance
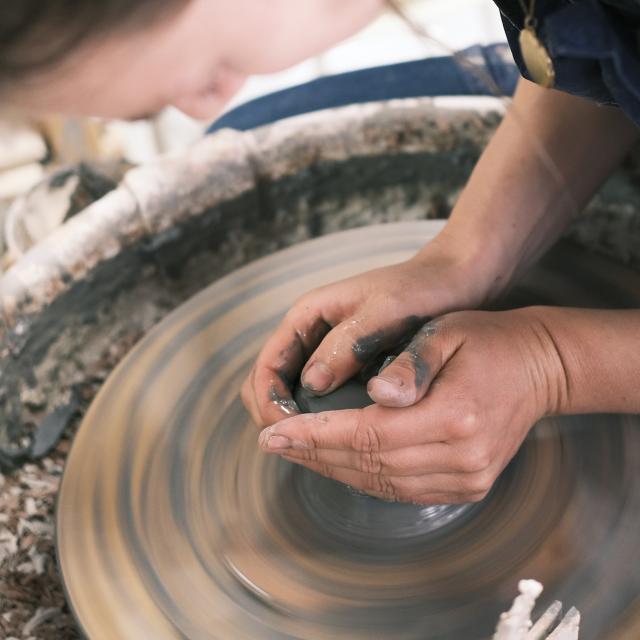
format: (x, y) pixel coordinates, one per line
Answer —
(472, 273)
(547, 361)
(591, 358)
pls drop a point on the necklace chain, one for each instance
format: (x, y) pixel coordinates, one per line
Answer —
(529, 13)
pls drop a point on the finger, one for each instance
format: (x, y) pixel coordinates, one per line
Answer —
(352, 344)
(406, 379)
(410, 461)
(279, 364)
(403, 488)
(280, 406)
(363, 430)
(281, 402)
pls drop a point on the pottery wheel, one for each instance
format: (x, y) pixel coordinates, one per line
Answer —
(172, 524)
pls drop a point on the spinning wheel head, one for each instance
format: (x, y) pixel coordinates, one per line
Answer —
(173, 524)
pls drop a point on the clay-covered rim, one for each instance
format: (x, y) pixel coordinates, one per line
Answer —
(154, 197)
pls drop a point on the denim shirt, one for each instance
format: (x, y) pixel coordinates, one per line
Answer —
(594, 46)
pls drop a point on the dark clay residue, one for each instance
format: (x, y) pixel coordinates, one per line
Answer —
(286, 403)
(291, 357)
(415, 349)
(351, 395)
(420, 367)
(369, 346)
(284, 378)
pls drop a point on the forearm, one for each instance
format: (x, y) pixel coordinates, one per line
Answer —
(550, 154)
(594, 359)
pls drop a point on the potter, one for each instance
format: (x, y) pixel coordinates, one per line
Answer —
(450, 412)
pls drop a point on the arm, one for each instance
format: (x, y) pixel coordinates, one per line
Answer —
(515, 205)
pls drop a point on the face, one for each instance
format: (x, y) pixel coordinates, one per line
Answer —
(195, 59)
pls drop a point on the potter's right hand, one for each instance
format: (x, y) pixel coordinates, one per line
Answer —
(332, 332)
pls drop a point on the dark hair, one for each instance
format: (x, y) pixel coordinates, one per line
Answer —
(36, 35)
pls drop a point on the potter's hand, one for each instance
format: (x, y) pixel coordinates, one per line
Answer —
(479, 381)
(338, 328)
(511, 211)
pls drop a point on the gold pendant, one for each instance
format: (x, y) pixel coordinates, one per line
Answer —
(536, 58)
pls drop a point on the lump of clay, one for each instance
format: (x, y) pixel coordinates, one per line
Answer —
(351, 395)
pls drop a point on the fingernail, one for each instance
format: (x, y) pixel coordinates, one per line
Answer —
(318, 377)
(390, 381)
(278, 442)
(389, 391)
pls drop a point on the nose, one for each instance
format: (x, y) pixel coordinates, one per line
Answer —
(228, 83)
(211, 100)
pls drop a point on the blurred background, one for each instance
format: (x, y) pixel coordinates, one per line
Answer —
(31, 151)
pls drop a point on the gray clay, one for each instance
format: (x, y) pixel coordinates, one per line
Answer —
(351, 395)
(351, 512)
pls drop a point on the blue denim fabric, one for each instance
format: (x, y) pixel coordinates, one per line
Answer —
(594, 49)
(428, 77)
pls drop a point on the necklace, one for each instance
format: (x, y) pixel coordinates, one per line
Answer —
(535, 55)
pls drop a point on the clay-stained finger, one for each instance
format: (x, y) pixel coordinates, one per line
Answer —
(353, 344)
(279, 402)
(371, 429)
(278, 367)
(400, 488)
(409, 461)
(406, 379)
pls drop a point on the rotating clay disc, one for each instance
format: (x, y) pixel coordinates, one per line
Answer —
(172, 523)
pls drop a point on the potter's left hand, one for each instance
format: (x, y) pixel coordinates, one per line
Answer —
(450, 412)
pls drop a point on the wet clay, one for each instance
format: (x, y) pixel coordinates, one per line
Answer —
(351, 395)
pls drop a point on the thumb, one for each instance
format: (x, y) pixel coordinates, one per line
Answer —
(350, 346)
(406, 379)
